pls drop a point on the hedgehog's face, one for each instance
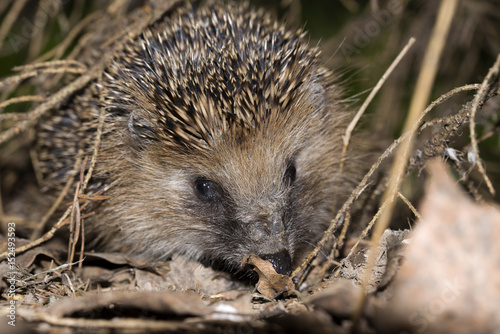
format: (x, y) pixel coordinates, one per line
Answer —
(248, 198)
(268, 191)
(248, 212)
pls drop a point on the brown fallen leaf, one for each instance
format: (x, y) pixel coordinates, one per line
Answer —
(449, 281)
(27, 258)
(270, 284)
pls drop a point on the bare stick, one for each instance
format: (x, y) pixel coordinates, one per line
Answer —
(63, 266)
(97, 143)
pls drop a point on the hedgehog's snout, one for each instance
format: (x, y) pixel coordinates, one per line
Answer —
(281, 261)
(269, 234)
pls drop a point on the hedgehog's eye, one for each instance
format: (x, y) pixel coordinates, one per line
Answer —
(290, 174)
(206, 190)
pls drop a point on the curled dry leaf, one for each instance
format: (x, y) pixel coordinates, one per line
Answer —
(26, 259)
(271, 284)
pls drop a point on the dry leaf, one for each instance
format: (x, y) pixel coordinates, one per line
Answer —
(271, 284)
(449, 281)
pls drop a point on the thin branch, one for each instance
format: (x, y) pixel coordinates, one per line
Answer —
(63, 266)
(97, 143)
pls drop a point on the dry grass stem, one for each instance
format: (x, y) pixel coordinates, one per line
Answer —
(67, 63)
(35, 163)
(472, 125)
(484, 137)
(75, 217)
(97, 142)
(51, 102)
(20, 99)
(59, 50)
(10, 19)
(410, 206)
(15, 79)
(422, 92)
(347, 136)
(345, 229)
(36, 233)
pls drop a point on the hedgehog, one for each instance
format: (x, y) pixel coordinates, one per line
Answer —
(222, 138)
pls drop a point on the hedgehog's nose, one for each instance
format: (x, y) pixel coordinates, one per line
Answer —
(281, 261)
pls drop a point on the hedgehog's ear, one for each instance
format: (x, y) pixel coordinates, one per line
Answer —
(317, 95)
(141, 127)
